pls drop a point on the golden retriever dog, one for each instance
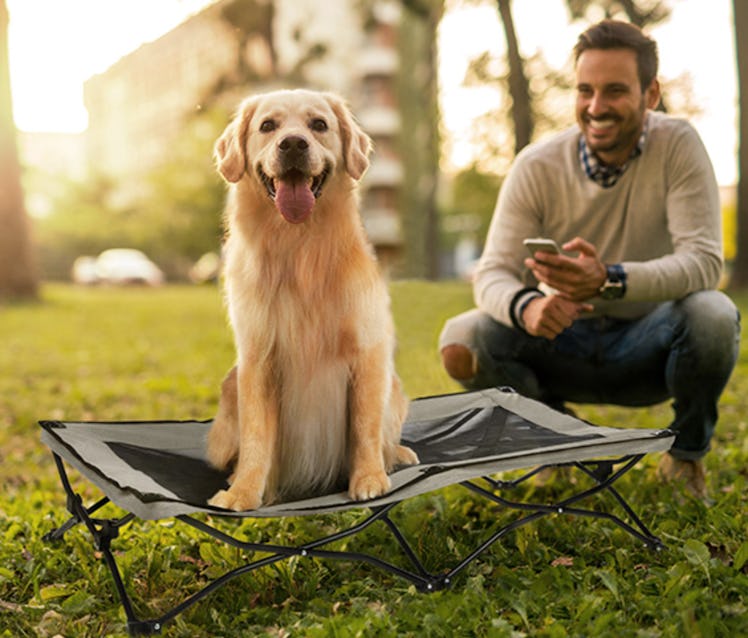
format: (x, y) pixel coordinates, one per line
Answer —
(314, 398)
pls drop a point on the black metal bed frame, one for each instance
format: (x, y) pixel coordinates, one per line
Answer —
(603, 472)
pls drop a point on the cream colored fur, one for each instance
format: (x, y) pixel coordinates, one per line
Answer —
(314, 397)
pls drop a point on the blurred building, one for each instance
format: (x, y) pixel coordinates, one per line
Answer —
(140, 104)
(233, 48)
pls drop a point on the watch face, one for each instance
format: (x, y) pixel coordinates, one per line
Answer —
(611, 290)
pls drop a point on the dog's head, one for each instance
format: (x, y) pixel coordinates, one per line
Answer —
(292, 143)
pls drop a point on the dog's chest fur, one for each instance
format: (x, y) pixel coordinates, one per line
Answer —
(293, 312)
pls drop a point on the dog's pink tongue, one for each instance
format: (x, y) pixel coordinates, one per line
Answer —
(294, 200)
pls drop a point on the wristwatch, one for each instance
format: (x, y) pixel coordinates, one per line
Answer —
(614, 286)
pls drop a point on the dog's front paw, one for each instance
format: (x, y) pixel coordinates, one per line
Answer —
(406, 456)
(362, 488)
(236, 500)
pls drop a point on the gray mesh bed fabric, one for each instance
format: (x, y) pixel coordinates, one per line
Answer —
(157, 469)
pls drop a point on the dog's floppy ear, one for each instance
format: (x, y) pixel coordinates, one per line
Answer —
(231, 148)
(356, 143)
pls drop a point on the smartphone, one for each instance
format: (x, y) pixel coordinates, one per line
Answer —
(541, 245)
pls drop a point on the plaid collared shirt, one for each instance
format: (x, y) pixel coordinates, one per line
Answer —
(607, 176)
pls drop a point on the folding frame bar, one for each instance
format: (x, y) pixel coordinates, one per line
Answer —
(602, 472)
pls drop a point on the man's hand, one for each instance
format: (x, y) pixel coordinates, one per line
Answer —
(575, 278)
(549, 316)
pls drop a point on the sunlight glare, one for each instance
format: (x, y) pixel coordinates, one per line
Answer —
(55, 46)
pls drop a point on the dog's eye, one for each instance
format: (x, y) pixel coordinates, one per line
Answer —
(318, 124)
(267, 126)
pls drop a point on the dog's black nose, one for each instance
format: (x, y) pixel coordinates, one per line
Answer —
(293, 145)
(293, 152)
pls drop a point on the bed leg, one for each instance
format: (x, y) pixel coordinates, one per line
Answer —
(74, 505)
(143, 627)
(103, 532)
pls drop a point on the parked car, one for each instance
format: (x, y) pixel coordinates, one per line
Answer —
(84, 270)
(118, 266)
(206, 269)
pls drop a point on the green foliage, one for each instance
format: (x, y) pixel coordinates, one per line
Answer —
(173, 213)
(160, 354)
(471, 205)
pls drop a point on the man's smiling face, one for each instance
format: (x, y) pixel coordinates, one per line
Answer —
(610, 103)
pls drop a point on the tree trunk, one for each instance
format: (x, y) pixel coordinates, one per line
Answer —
(739, 278)
(419, 136)
(519, 87)
(18, 277)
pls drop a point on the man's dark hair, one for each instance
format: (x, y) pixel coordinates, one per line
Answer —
(615, 34)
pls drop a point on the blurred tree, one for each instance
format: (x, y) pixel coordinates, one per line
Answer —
(472, 201)
(493, 132)
(642, 13)
(514, 81)
(419, 135)
(739, 278)
(256, 53)
(18, 275)
(185, 198)
(519, 86)
(251, 19)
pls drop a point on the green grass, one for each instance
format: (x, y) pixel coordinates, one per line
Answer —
(160, 354)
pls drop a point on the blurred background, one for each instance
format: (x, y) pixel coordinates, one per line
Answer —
(109, 110)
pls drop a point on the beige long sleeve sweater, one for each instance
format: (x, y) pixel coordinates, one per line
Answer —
(661, 220)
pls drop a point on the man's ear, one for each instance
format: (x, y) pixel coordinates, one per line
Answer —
(230, 149)
(652, 94)
(356, 143)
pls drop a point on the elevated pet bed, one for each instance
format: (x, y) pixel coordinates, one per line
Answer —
(157, 469)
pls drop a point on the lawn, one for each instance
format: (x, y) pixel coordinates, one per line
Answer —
(160, 354)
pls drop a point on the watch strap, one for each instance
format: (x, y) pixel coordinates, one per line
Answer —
(615, 279)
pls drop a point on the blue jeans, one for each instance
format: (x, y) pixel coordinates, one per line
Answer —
(684, 350)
